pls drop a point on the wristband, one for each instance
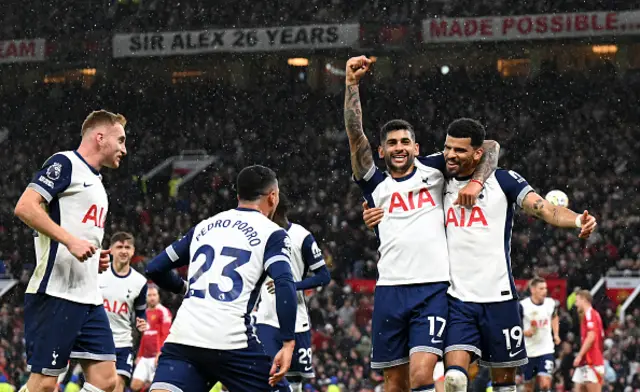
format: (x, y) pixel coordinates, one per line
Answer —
(478, 181)
(579, 221)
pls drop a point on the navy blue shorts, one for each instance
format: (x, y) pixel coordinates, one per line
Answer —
(492, 331)
(124, 361)
(193, 369)
(538, 366)
(56, 330)
(301, 363)
(408, 319)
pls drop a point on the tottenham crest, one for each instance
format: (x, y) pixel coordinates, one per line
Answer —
(54, 171)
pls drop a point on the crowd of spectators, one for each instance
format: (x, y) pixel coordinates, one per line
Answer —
(55, 19)
(574, 132)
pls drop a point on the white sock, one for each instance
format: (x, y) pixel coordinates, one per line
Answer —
(24, 388)
(90, 388)
(295, 386)
(455, 381)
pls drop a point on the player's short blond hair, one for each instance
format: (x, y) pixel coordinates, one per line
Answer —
(102, 117)
(586, 295)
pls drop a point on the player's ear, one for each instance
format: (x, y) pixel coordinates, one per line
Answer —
(416, 150)
(380, 152)
(477, 154)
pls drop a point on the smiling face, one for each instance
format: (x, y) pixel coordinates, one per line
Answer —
(399, 150)
(460, 156)
(111, 141)
(122, 252)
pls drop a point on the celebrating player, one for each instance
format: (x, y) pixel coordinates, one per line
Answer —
(484, 314)
(124, 291)
(228, 255)
(63, 314)
(589, 362)
(540, 318)
(159, 321)
(409, 317)
(305, 256)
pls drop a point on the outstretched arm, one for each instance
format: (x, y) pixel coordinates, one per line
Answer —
(361, 153)
(539, 207)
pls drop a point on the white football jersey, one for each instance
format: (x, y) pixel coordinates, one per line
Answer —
(479, 239)
(230, 253)
(122, 296)
(305, 255)
(78, 202)
(541, 342)
(413, 243)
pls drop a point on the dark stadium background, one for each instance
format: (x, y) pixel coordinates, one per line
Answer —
(223, 84)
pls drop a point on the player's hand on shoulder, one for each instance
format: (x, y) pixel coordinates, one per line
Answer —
(356, 68)
(371, 216)
(282, 362)
(103, 265)
(81, 249)
(141, 324)
(468, 195)
(588, 224)
(271, 287)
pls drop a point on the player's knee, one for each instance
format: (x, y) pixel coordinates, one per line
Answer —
(41, 383)
(107, 383)
(136, 385)
(455, 380)
(545, 384)
(421, 376)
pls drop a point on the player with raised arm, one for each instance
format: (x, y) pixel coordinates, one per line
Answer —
(484, 314)
(159, 322)
(66, 205)
(229, 257)
(589, 363)
(124, 292)
(409, 316)
(541, 328)
(305, 256)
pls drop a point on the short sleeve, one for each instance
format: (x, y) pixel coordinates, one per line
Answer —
(435, 161)
(278, 248)
(371, 180)
(53, 178)
(311, 253)
(514, 186)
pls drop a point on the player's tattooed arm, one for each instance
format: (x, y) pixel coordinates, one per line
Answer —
(361, 152)
(535, 205)
(488, 162)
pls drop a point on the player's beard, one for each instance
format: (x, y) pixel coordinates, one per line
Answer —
(467, 167)
(392, 167)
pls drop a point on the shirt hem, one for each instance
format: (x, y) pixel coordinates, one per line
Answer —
(408, 282)
(276, 325)
(191, 343)
(481, 300)
(68, 298)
